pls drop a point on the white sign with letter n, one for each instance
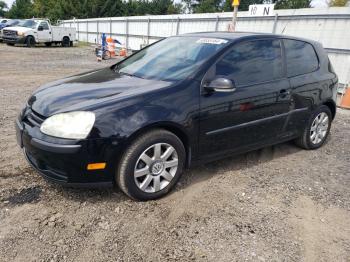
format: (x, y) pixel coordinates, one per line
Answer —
(262, 10)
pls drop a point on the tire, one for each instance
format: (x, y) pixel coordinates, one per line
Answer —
(107, 55)
(48, 44)
(30, 41)
(132, 161)
(65, 41)
(314, 135)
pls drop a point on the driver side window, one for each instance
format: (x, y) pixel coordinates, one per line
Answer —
(252, 62)
(44, 25)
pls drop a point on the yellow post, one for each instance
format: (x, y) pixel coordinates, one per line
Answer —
(235, 4)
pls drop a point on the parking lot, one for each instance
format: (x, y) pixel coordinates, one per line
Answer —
(279, 203)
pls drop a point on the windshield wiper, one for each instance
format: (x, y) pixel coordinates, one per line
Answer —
(128, 74)
(117, 70)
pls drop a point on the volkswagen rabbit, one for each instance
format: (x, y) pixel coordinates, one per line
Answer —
(179, 102)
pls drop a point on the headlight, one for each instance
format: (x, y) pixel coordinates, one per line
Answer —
(20, 33)
(73, 125)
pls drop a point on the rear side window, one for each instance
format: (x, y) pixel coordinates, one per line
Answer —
(301, 57)
(252, 62)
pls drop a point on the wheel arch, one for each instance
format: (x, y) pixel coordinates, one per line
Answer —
(32, 36)
(332, 106)
(171, 127)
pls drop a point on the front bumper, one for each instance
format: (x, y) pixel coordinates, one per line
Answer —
(65, 161)
(13, 40)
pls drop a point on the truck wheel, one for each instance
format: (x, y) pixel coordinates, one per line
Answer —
(65, 41)
(30, 41)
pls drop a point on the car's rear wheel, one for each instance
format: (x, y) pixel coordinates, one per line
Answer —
(152, 165)
(317, 129)
(65, 41)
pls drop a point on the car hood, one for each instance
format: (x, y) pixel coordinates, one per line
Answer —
(83, 91)
(18, 28)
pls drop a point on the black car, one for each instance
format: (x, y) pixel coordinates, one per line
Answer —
(181, 101)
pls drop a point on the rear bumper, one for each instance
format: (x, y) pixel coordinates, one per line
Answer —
(65, 162)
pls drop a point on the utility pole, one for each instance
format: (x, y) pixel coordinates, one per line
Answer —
(232, 25)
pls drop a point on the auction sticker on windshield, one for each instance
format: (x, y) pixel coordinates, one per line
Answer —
(212, 41)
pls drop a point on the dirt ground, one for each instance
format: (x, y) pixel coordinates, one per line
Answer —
(276, 204)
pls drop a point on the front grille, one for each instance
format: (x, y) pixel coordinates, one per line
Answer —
(32, 118)
(9, 33)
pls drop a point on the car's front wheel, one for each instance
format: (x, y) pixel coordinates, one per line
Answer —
(317, 129)
(151, 165)
(30, 41)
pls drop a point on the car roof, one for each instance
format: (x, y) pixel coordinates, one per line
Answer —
(233, 36)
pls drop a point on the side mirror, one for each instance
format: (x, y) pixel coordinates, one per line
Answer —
(220, 85)
(40, 28)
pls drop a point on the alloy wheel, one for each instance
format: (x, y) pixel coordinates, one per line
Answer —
(319, 128)
(156, 167)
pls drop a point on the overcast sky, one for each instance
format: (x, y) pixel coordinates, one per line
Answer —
(8, 2)
(314, 3)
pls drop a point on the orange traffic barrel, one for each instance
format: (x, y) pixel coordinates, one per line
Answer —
(345, 102)
(111, 46)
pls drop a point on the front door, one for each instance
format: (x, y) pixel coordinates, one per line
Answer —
(44, 32)
(256, 111)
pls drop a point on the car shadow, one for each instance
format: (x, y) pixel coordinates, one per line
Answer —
(236, 163)
(90, 195)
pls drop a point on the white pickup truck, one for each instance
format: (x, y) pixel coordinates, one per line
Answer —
(35, 31)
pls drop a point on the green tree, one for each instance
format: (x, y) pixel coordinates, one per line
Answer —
(21, 9)
(292, 4)
(207, 6)
(3, 7)
(243, 5)
(339, 2)
(67, 9)
(174, 9)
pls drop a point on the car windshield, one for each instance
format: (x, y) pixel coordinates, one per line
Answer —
(28, 23)
(12, 22)
(172, 59)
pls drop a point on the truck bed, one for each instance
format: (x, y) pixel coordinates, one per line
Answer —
(59, 32)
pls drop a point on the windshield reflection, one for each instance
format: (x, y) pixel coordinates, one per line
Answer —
(172, 59)
(28, 23)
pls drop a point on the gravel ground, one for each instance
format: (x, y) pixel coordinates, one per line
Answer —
(280, 203)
